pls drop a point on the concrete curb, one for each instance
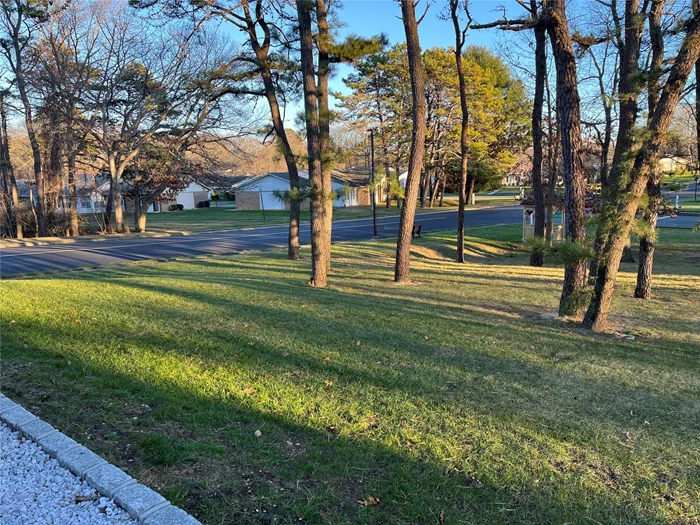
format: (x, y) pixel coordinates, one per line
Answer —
(142, 503)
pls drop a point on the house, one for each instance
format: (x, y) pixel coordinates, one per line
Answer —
(189, 198)
(673, 164)
(260, 193)
(88, 197)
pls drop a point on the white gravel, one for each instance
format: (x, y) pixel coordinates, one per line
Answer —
(35, 489)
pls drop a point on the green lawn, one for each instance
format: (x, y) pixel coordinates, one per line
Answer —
(455, 400)
(226, 218)
(690, 205)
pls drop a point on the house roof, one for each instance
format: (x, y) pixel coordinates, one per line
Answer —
(353, 178)
(281, 175)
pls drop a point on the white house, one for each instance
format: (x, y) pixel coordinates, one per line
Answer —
(188, 198)
(260, 192)
(194, 193)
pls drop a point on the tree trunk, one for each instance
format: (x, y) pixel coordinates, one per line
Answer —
(262, 54)
(324, 113)
(537, 255)
(141, 211)
(73, 197)
(460, 36)
(8, 174)
(116, 194)
(318, 223)
(569, 113)
(646, 243)
(415, 163)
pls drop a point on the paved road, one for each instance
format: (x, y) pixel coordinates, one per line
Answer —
(85, 253)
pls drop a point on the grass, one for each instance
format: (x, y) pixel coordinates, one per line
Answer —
(456, 400)
(690, 205)
(227, 218)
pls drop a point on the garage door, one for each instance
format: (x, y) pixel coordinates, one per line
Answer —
(270, 202)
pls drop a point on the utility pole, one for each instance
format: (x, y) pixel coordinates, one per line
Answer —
(371, 182)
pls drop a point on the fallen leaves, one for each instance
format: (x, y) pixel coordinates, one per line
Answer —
(249, 391)
(328, 384)
(368, 501)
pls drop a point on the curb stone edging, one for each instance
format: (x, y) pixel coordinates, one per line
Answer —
(142, 503)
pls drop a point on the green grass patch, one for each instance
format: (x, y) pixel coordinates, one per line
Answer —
(457, 396)
(690, 205)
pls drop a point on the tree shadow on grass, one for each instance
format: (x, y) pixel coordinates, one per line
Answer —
(301, 473)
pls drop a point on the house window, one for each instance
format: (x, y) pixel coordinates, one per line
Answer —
(86, 203)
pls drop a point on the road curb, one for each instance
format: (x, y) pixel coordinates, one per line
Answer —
(142, 503)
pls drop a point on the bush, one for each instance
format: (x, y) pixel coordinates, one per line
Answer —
(173, 207)
(180, 207)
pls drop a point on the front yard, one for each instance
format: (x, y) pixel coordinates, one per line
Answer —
(456, 400)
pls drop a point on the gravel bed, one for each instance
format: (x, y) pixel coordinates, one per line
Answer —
(35, 489)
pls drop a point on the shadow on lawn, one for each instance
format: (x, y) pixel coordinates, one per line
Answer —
(319, 482)
(521, 372)
(475, 381)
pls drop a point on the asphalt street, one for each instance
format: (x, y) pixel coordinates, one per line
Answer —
(87, 253)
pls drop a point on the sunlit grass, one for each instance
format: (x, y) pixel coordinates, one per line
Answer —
(458, 394)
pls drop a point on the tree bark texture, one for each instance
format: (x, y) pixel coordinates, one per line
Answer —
(537, 255)
(569, 113)
(646, 242)
(415, 162)
(460, 35)
(324, 113)
(319, 264)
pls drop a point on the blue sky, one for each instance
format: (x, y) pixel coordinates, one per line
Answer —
(371, 17)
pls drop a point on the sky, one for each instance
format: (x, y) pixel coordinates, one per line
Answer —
(372, 17)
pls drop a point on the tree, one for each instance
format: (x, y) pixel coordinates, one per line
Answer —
(156, 172)
(65, 51)
(537, 255)
(633, 163)
(150, 83)
(460, 37)
(415, 163)
(647, 239)
(10, 196)
(20, 20)
(569, 114)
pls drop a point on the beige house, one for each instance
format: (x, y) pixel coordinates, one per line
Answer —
(673, 164)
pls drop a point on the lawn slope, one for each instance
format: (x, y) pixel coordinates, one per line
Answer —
(455, 400)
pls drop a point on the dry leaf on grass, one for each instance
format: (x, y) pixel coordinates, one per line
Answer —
(369, 501)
